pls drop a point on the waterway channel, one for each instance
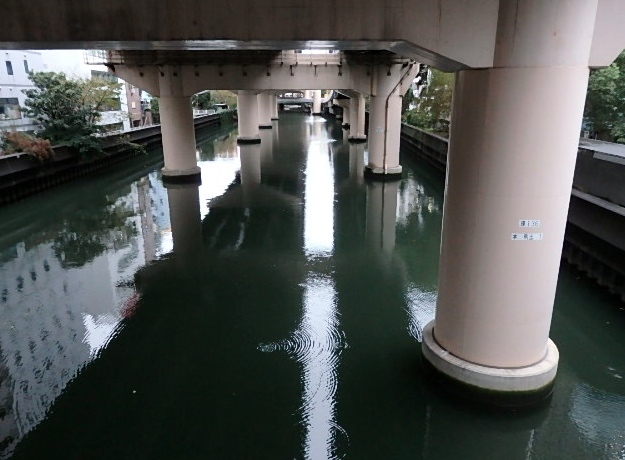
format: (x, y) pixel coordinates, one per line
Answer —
(275, 311)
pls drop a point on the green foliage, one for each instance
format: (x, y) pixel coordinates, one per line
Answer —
(433, 109)
(68, 110)
(202, 101)
(604, 112)
(155, 108)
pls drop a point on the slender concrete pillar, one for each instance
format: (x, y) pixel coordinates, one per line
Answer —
(316, 110)
(346, 116)
(514, 136)
(247, 110)
(274, 106)
(357, 118)
(264, 111)
(385, 120)
(178, 134)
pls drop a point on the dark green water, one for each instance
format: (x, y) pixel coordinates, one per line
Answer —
(274, 312)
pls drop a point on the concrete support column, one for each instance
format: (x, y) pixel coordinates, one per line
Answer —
(316, 110)
(346, 116)
(178, 133)
(247, 110)
(357, 118)
(390, 84)
(514, 136)
(384, 132)
(274, 106)
(264, 111)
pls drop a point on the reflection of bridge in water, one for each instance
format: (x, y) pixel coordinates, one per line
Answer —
(282, 321)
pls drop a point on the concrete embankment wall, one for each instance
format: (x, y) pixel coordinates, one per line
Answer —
(595, 234)
(22, 175)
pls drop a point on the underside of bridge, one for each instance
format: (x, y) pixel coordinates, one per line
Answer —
(521, 75)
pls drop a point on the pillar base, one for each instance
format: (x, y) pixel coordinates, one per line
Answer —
(317, 114)
(504, 387)
(357, 139)
(248, 140)
(182, 176)
(373, 172)
(265, 126)
(274, 118)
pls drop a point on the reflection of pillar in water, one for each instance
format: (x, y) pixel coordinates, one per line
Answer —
(250, 168)
(186, 223)
(316, 129)
(382, 214)
(147, 221)
(449, 435)
(356, 162)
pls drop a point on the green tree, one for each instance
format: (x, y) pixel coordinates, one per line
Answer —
(202, 101)
(155, 108)
(433, 109)
(67, 110)
(604, 113)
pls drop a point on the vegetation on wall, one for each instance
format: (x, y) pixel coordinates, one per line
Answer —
(433, 106)
(17, 141)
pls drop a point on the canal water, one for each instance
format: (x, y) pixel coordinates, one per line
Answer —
(274, 312)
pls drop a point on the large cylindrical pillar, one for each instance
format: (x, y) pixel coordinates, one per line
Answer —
(385, 128)
(264, 111)
(357, 118)
(247, 110)
(316, 110)
(514, 135)
(178, 135)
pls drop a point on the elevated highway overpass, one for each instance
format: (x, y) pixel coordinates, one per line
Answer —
(521, 75)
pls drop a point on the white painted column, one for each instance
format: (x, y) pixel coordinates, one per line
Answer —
(274, 106)
(357, 118)
(178, 135)
(264, 111)
(514, 136)
(247, 110)
(385, 120)
(316, 102)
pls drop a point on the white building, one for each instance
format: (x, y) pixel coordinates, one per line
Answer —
(14, 69)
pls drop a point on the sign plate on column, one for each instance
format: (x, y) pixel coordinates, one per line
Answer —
(526, 236)
(532, 223)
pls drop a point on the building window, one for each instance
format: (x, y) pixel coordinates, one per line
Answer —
(26, 66)
(9, 67)
(9, 108)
